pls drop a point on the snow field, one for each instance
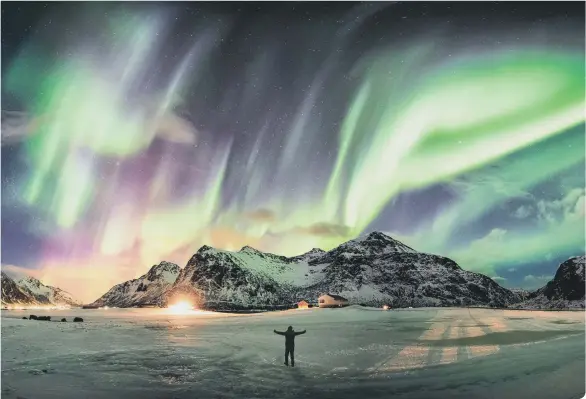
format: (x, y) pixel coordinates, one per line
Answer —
(364, 352)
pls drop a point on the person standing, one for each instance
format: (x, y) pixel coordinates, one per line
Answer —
(290, 335)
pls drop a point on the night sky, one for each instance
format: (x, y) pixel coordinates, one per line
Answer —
(138, 132)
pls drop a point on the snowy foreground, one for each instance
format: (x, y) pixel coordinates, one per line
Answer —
(346, 353)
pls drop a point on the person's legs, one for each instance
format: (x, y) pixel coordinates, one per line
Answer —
(286, 356)
(291, 352)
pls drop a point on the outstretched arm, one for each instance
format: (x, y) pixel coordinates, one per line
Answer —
(301, 332)
(278, 332)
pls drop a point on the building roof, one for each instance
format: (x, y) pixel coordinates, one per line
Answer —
(337, 297)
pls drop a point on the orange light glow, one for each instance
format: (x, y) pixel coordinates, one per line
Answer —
(386, 307)
(181, 307)
(302, 305)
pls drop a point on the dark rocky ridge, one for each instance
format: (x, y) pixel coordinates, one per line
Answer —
(568, 282)
(565, 291)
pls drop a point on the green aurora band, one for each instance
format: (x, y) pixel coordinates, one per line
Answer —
(458, 122)
(461, 117)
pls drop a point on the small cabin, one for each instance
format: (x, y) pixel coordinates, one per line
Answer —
(332, 301)
(302, 304)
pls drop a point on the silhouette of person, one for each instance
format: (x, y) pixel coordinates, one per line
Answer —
(290, 335)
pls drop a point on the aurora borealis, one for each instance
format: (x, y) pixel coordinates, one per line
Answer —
(135, 133)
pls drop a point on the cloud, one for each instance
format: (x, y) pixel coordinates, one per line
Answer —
(494, 238)
(561, 231)
(499, 279)
(18, 272)
(261, 215)
(512, 177)
(475, 255)
(571, 206)
(523, 212)
(326, 229)
(175, 129)
(531, 282)
(18, 126)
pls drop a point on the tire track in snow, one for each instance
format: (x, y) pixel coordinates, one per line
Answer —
(494, 325)
(464, 351)
(415, 355)
(450, 353)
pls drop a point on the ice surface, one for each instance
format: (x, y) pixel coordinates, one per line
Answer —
(346, 353)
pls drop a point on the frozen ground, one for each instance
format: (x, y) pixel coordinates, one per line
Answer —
(346, 353)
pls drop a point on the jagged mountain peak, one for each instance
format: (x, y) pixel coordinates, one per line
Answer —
(165, 270)
(311, 255)
(249, 249)
(378, 235)
(315, 251)
(375, 243)
(164, 265)
(29, 279)
(205, 248)
(573, 266)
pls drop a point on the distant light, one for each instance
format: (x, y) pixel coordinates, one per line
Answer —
(37, 307)
(386, 307)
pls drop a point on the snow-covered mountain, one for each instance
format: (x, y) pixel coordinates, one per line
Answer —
(28, 291)
(11, 293)
(566, 290)
(247, 277)
(145, 290)
(45, 293)
(371, 270)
